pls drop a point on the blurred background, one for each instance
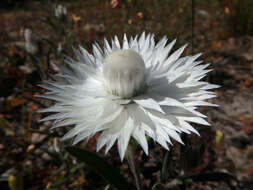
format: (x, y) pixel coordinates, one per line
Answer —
(34, 36)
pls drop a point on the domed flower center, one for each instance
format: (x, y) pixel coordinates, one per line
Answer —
(124, 73)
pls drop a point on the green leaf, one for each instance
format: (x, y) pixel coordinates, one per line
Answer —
(58, 171)
(110, 173)
(60, 182)
(77, 167)
(164, 175)
(36, 63)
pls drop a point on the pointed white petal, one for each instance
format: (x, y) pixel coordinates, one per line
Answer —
(187, 126)
(140, 137)
(124, 137)
(200, 103)
(102, 140)
(139, 115)
(147, 102)
(173, 134)
(107, 47)
(110, 143)
(210, 86)
(81, 136)
(125, 43)
(176, 54)
(116, 41)
(198, 120)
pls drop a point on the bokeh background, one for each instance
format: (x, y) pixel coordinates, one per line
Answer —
(32, 158)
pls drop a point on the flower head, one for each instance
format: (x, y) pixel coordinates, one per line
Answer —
(32, 42)
(135, 90)
(60, 11)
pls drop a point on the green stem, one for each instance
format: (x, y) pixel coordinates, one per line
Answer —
(130, 154)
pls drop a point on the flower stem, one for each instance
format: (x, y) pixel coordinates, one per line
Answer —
(132, 162)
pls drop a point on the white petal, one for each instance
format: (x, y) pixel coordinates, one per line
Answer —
(147, 102)
(110, 142)
(102, 140)
(124, 137)
(115, 43)
(162, 141)
(198, 120)
(200, 103)
(110, 115)
(115, 126)
(187, 126)
(140, 137)
(125, 42)
(150, 132)
(173, 134)
(139, 115)
(97, 51)
(210, 86)
(81, 136)
(54, 108)
(176, 55)
(63, 123)
(74, 131)
(164, 120)
(108, 139)
(166, 101)
(54, 116)
(141, 41)
(107, 47)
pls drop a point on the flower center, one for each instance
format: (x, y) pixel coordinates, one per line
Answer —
(124, 73)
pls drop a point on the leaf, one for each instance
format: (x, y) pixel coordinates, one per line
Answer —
(16, 182)
(164, 175)
(62, 168)
(210, 176)
(219, 136)
(77, 167)
(16, 101)
(248, 82)
(60, 182)
(110, 173)
(114, 3)
(133, 165)
(36, 63)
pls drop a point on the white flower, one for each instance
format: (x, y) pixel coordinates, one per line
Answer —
(32, 42)
(135, 90)
(60, 11)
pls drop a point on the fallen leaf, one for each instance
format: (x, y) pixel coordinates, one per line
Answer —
(76, 18)
(248, 82)
(249, 170)
(114, 3)
(140, 15)
(30, 148)
(227, 10)
(216, 44)
(16, 101)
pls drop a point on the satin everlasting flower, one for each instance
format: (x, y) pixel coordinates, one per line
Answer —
(60, 11)
(136, 89)
(32, 42)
